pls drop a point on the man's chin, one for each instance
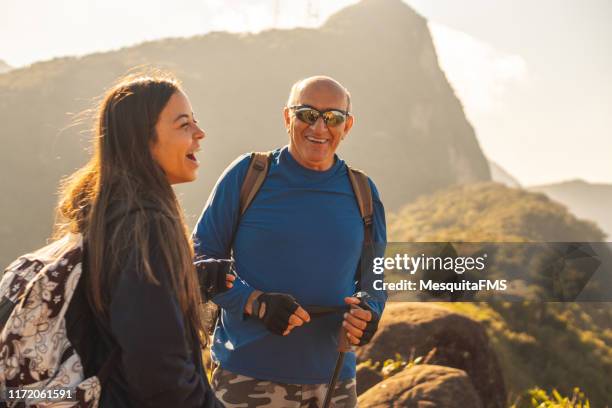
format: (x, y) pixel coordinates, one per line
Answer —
(320, 152)
(319, 162)
(317, 157)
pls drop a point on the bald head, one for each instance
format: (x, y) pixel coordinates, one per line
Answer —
(318, 83)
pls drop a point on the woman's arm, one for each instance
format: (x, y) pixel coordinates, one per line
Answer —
(215, 230)
(150, 329)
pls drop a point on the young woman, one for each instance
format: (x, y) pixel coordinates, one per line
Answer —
(139, 278)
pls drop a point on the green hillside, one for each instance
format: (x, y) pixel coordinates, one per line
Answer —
(489, 212)
(551, 345)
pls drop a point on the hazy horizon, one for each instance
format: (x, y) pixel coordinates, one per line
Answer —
(540, 112)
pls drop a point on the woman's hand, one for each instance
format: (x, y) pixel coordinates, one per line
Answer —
(215, 276)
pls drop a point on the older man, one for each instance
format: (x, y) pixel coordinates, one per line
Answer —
(298, 244)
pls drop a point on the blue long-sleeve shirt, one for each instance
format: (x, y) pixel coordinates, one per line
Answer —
(302, 235)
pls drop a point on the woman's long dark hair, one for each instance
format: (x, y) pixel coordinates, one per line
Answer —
(122, 196)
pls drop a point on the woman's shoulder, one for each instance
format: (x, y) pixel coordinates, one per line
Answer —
(128, 225)
(122, 212)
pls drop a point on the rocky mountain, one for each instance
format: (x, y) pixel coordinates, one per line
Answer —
(4, 67)
(500, 175)
(591, 201)
(411, 135)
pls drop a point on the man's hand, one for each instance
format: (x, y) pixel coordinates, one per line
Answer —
(361, 322)
(279, 312)
(215, 276)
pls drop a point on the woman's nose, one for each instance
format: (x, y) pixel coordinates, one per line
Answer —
(199, 134)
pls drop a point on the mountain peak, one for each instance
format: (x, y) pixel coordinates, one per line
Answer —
(4, 67)
(412, 135)
(371, 14)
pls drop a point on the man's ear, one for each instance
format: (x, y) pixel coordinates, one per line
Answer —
(287, 117)
(350, 120)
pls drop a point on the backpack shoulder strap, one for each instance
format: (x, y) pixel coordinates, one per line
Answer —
(254, 179)
(363, 195)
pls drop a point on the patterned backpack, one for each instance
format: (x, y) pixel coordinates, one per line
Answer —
(39, 367)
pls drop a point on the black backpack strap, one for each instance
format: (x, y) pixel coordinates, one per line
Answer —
(254, 179)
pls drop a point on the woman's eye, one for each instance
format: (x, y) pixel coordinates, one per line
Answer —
(184, 125)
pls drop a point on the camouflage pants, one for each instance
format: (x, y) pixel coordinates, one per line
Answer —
(236, 390)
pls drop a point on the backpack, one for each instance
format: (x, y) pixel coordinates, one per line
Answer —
(36, 355)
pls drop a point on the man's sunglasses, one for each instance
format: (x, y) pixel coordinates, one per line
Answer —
(310, 115)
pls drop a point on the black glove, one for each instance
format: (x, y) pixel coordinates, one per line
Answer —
(212, 274)
(372, 325)
(274, 310)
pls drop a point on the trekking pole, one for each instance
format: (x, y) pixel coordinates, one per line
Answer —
(343, 347)
(332, 383)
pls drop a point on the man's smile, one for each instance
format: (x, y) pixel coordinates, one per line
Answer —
(317, 140)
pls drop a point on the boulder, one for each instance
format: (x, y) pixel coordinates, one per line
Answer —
(424, 386)
(415, 329)
(367, 377)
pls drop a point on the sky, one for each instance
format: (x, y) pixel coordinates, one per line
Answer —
(535, 78)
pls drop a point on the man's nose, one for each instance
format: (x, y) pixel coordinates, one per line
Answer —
(319, 126)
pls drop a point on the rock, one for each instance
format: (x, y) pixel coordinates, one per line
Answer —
(367, 377)
(424, 386)
(414, 329)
